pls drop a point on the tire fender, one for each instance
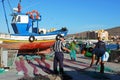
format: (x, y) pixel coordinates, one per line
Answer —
(31, 38)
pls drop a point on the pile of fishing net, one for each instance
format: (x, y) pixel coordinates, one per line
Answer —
(48, 77)
(41, 77)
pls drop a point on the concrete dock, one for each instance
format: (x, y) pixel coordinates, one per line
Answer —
(78, 70)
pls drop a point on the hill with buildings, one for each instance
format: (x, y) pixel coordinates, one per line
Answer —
(115, 31)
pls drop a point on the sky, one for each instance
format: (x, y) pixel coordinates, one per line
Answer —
(76, 15)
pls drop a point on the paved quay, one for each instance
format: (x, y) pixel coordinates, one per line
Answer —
(78, 70)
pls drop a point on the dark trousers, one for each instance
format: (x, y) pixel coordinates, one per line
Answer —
(101, 65)
(58, 59)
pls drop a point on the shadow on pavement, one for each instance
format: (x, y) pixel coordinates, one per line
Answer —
(90, 72)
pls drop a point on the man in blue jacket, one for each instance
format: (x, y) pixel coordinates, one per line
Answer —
(99, 51)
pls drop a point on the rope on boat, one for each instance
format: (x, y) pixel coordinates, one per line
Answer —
(5, 16)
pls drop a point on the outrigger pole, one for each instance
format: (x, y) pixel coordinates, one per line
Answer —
(5, 16)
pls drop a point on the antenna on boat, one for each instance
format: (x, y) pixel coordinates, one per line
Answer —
(5, 16)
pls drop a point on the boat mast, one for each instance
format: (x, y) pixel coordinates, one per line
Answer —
(19, 6)
(5, 16)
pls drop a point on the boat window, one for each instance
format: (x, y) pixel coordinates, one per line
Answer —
(23, 19)
(14, 19)
(19, 19)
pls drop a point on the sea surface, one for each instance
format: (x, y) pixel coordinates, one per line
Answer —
(111, 46)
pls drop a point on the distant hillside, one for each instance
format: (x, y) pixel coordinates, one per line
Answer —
(114, 31)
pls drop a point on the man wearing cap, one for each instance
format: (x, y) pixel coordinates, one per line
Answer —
(58, 58)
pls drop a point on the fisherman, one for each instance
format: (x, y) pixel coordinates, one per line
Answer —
(101, 53)
(73, 48)
(59, 48)
(118, 46)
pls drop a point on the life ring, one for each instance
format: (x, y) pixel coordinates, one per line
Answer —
(31, 38)
(30, 13)
(37, 16)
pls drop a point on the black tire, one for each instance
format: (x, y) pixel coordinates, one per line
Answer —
(31, 38)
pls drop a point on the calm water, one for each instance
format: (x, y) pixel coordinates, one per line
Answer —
(111, 46)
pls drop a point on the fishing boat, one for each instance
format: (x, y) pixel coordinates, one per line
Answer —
(26, 39)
